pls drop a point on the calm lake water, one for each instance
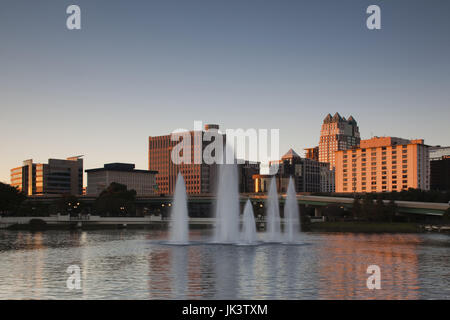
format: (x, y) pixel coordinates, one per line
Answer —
(136, 264)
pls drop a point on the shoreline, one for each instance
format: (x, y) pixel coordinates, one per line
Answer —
(149, 222)
(370, 227)
(317, 227)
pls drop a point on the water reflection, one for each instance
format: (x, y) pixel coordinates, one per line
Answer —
(158, 275)
(343, 264)
(136, 265)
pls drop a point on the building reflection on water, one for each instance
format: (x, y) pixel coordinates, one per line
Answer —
(342, 266)
(137, 265)
(332, 268)
(178, 272)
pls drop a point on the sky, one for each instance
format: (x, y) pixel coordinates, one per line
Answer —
(145, 68)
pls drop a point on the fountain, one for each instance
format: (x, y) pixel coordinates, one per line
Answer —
(227, 206)
(292, 222)
(179, 214)
(227, 213)
(249, 226)
(273, 214)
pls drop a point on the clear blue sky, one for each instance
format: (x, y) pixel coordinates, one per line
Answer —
(140, 68)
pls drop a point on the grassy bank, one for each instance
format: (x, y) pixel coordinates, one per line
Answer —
(366, 227)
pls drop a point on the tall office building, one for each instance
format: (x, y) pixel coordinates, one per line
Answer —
(199, 177)
(327, 178)
(439, 168)
(246, 171)
(337, 133)
(439, 153)
(312, 153)
(55, 177)
(304, 171)
(383, 165)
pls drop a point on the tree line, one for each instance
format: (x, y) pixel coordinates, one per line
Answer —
(115, 200)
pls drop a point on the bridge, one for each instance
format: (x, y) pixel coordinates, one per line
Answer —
(258, 200)
(425, 208)
(153, 210)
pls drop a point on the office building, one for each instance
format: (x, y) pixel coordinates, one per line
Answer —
(383, 164)
(55, 177)
(200, 178)
(439, 168)
(337, 133)
(327, 178)
(312, 153)
(142, 181)
(305, 172)
(438, 152)
(246, 171)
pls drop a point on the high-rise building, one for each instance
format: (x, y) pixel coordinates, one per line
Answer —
(382, 165)
(327, 178)
(304, 171)
(439, 168)
(142, 181)
(438, 152)
(440, 174)
(312, 153)
(199, 176)
(55, 177)
(337, 133)
(246, 171)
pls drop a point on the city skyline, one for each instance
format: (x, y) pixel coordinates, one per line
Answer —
(101, 93)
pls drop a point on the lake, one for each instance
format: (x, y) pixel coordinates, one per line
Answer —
(138, 264)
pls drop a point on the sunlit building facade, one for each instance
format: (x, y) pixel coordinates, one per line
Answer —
(200, 178)
(382, 165)
(337, 133)
(312, 153)
(55, 177)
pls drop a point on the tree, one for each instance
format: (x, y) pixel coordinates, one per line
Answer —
(367, 207)
(69, 204)
(116, 200)
(391, 210)
(379, 210)
(446, 216)
(357, 209)
(10, 198)
(333, 211)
